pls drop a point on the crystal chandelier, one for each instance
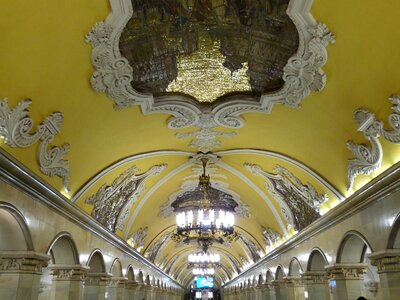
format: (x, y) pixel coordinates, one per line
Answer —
(204, 258)
(204, 222)
(202, 272)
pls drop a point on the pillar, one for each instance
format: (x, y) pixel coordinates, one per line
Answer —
(67, 281)
(280, 289)
(388, 264)
(130, 290)
(295, 288)
(96, 286)
(116, 288)
(316, 285)
(267, 292)
(20, 274)
(346, 280)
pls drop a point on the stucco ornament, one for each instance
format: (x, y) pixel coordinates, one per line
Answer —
(137, 238)
(112, 203)
(270, 236)
(302, 75)
(369, 158)
(299, 203)
(252, 250)
(16, 128)
(155, 249)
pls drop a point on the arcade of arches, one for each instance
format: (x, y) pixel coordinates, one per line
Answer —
(108, 109)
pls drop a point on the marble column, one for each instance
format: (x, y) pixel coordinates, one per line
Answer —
(316, 285)
(20, 274)
(388, 264)
(130, 290)
(67, 281)
(295, 288)
(267, 292)
(280, 289)
(96, 286)
(346, 280)
(116, 288)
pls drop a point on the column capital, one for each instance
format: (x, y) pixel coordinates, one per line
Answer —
(386, 261)
(346, 271)
(315, 277)
(98, 279)
(117, 282)
(293, 280)
(23, 262)
(68, 272)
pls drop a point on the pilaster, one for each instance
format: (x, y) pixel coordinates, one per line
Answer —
(295, 288)
(67, 281)
(346, 280)
(388, 264)
(20, 274)
(96, 286)
(316, 284)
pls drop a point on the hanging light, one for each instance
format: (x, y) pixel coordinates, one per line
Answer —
(207, 223)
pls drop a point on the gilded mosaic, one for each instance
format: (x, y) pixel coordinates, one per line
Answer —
(207, 49)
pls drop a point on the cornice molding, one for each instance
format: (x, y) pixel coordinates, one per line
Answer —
(16, 130)
(302, 75)
(369, 158)
(17, 175)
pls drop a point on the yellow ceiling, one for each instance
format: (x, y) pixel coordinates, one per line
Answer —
(43, 56)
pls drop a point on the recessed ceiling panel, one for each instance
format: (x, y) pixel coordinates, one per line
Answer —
(207, 49)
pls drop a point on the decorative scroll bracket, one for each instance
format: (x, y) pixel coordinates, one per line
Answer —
(369, 158)
(16, 130)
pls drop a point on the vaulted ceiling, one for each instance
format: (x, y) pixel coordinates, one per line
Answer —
(136, 153)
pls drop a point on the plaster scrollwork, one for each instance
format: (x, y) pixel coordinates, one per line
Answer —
(137, 238)
(271, 237)
(16, 129)
(302, 75)
(155, 249)
(369, 158)
(112, 203)
(299, 203)
(250, 247)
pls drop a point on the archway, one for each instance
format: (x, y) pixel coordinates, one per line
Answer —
(317, 261)
(295, 268)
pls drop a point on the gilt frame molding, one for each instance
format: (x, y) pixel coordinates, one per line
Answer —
(303, 74)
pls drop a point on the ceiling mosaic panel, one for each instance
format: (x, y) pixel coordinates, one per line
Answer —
(237, 46)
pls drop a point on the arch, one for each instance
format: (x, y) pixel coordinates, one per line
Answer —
(394, 236)
(116, 268)
(269, 277)
(96, 262)
(352, 248)
(14, 229)
(63, 250)
(279, 273)
(130, 274)
(317, 260)
(260, 279)
(140, 277)
(295, 268)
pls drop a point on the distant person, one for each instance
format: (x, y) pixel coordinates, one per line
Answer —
(361, 298)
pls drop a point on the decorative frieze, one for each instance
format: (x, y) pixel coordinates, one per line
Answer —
(22, 262)
(386, 261)
(293, 281)
(16, 128)
(299, 203)
(369, 158)
(314, 277)
(112, 203)
(346, 271)
(68, 273)
(98, 279)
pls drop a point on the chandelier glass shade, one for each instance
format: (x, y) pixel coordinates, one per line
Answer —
(202, 272)
(204, 258)
(207, 221)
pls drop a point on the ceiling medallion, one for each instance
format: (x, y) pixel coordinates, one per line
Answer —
(368, 159)
(146, 48)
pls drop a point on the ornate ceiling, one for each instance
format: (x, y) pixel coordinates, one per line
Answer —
(279, 145)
